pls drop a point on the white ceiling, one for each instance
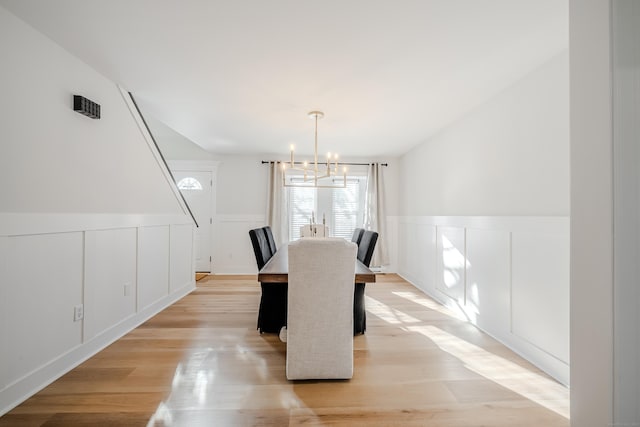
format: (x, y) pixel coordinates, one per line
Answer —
(239, 76)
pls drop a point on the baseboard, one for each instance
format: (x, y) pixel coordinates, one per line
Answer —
(19, 391)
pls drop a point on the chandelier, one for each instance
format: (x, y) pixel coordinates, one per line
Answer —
(314, 176)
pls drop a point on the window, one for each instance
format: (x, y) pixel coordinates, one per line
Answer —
(302, 201)
(346, 209)
(189, 183)
(342, 208)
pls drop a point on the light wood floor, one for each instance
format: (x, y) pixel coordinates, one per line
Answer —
(201, 362)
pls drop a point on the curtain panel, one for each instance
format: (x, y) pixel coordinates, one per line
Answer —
(277, 217)
(375, 217)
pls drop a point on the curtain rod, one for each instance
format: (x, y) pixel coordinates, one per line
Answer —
(322, 163)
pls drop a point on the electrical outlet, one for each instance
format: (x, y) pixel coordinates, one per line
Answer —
(78, 312)
(127, 289)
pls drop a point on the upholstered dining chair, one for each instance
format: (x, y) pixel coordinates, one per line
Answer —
(272, 312)
(366, 246)
(357, 235)
(261, 248)
(365, 251)
(319, 314)
(270, 239)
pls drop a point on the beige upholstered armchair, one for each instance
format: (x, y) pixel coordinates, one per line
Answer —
(320, 309)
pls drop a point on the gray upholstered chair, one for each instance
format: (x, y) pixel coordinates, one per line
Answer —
(320, 309)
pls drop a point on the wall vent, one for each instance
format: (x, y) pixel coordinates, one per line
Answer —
(85, 106)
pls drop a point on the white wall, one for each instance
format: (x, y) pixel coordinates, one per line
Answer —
(508, 157)
(87, 216)
(112, 170)
(591, 214)
(174, 146)
(483, 225)
(626, 150)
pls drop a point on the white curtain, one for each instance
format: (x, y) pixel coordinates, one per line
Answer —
(375, 216)
(277, 205)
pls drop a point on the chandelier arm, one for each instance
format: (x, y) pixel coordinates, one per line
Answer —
(316, 171)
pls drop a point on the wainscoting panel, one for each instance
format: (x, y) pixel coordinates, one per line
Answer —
(110, 279)
(489, 280)
(416, 246)
(540, 295)
(153, 265)
(233, 253)
(507, 275)
(44, 285)
(451, 267)
(182, 262)
(427, 256)
(408, 253)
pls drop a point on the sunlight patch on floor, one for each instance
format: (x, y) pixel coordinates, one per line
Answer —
(533, 386)
(432, 305)
(388, 314)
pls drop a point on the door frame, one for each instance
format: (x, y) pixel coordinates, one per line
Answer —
(202, 166)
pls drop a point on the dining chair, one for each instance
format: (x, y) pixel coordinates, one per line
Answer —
(365, 252)
(272, 311)
(366, 246)
(357, 235)
(319, 315)
(270, 239)
(261, 248)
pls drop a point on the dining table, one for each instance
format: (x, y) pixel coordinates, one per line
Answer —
(274, 278)
(276, 270)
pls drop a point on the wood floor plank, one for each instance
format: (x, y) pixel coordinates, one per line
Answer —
(201, 362)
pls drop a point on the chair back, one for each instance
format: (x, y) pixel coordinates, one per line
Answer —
(357, 235)
(320, 309)
(314, 230)
(270, 239)
(366, 246)
(260, 245)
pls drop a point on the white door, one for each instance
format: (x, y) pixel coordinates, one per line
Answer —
(196, 187)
